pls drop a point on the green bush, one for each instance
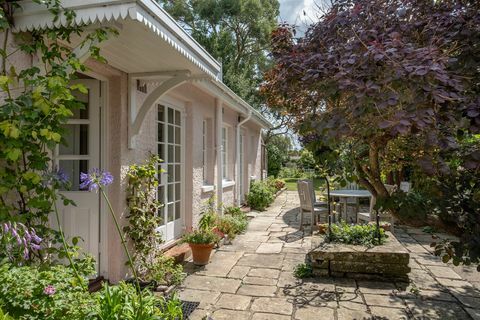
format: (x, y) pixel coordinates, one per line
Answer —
(411, 206)
(123, 302)
(164, 271)
(290, 172)
(48, 292)
(234, 211)
(260, 196)
(365, 235)
(232, 225)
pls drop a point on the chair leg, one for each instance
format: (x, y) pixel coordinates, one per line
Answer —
(311, 222)
(301, 219)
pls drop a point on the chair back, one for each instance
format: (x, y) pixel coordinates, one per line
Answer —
(306, 201)
(352, 186)
(405, 186)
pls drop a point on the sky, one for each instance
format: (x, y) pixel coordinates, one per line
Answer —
(299, 12)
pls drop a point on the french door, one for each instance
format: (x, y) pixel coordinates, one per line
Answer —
(81, 153)
(170, 191)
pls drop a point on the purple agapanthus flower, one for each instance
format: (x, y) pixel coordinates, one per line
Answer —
(95, 179)
(49, 290)
(61, 176)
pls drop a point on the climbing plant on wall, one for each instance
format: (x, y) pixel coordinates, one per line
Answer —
(35, 103)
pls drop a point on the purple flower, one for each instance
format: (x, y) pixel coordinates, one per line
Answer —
(35, 246)
(61, 176)
(49, 290)
(95, 179)
(6, 227)
(36, 239)
(25, 253)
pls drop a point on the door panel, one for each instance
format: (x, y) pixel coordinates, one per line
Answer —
(169, 139)
(81, 154)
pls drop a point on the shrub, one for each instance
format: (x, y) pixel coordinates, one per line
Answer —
(303, 271)
(48, 292)
(275, 184)
(123, 302)
(411, 206)
(288, 172)
(365, 235)
(164, 271)
(232, 225)
(260, 196)
(234, 211)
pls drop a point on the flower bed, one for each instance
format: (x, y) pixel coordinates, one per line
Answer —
(389, 260)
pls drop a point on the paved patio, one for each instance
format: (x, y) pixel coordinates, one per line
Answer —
(253, 279)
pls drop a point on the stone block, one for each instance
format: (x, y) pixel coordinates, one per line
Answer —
(368, 267)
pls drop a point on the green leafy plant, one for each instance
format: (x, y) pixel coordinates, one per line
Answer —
(260, 196)
(37, 101)
(201, 236)
(124, 302)
(302, 271)
(231, 225)
(234, 211)
(366, 235)
(164, 271)
(44, 292)
(209, 214)
(171, 309)
(143, 218)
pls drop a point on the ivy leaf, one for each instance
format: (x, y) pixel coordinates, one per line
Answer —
(14, 154)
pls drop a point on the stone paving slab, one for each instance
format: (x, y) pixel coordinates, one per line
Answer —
(252, 279)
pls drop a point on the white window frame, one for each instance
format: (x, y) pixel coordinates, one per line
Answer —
(225, 153)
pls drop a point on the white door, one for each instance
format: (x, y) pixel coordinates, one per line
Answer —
(170, 141)
(81, 154)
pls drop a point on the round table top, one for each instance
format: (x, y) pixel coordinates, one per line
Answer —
(351, 193)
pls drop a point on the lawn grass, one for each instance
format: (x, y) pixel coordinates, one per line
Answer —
(291, 183)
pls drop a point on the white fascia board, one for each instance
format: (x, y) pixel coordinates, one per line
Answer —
(33, 16)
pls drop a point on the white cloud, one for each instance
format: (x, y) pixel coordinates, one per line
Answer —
(299, 12)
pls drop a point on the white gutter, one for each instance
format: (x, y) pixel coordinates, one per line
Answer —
(237, 144)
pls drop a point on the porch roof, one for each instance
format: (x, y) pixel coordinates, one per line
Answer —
(137, 48)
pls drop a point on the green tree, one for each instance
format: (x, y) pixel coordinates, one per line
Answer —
(237, 32)
(278, 149)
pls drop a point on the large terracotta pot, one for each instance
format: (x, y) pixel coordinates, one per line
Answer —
(201, 253)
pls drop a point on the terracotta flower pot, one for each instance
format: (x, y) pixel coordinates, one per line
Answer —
(201, 253)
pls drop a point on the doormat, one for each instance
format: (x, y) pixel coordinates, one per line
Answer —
(188, 307)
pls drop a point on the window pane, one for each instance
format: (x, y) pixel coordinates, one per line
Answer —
(161, 215)
(177, 135)
(170, 115)
(73, 168)
(170, 134)
(170, 193)
(170, 154)
(76, 138)
(177, 117)
(178, 195)
(170, 212)
(82, 112)
(171, 173)
(160, 133)
(161, 194)
(178, 154)
(161, 113)
(177, 210)
(161, 151)
(177, 173)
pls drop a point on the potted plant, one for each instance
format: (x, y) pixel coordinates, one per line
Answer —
(201, 241)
